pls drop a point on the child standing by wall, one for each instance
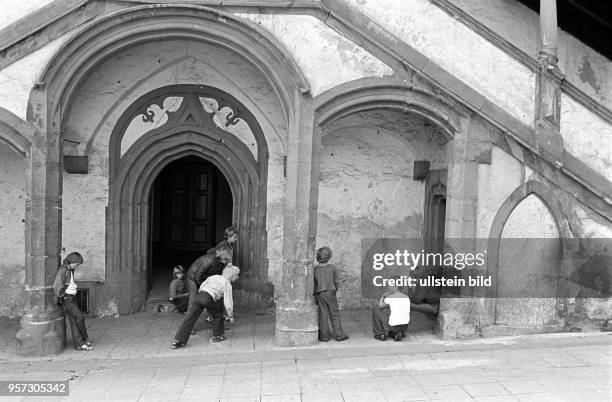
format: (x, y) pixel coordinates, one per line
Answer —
(392, 315)
(325, 287)
(65, 290)
(179, 292)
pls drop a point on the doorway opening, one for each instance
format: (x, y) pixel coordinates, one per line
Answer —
(427, 300)
(190, 206)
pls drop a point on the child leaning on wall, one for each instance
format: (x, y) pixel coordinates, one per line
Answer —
(65, 290)
(325, 287)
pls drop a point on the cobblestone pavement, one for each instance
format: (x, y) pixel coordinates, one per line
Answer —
(132, 361)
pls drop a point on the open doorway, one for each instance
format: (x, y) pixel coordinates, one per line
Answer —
(191, 205)
(426, 303)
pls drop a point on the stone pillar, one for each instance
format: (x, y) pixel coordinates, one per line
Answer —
(296, 314)
(548, 28)
(42, 329)
(548, 140)
(459, 316)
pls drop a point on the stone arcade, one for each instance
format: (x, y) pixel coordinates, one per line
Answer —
(134, 132)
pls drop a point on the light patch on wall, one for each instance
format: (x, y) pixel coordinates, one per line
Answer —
(530, 219)
(586, 136)
(587, 227)
(326, 58)
(496, 182)
(12, 230)
(18, 79)
(83, 222)
(13, 10)
(12, 206)
(459, 50)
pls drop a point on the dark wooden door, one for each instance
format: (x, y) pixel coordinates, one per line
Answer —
(187, 214)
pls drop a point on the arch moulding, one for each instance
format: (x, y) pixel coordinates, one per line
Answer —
(16, 132)
(386, 93)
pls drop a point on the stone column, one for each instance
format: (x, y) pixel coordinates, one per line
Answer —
(548, 28)
(296, 314)
(548, 140)
(42, 329)
(459, 315)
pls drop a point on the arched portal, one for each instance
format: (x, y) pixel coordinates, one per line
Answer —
(372, 132)
(52, 101)
(198, 128)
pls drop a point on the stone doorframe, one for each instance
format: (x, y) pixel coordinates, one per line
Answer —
(190, 130)
(566, 239)
(50, 103)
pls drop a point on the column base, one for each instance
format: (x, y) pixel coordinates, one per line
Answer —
(296, 324)
(41, 334)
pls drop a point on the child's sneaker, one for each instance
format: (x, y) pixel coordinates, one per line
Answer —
(380, 337)
(84, 347)
(398, 336)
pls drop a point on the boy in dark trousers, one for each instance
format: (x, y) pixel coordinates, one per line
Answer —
(325, 286)
(65, 290)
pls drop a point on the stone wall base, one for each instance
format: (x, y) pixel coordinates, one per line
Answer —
(41, 335)
(296, 324)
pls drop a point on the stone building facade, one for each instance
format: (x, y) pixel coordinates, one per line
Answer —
(131, 131)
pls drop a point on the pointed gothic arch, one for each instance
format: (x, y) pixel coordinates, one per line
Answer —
(550, 202)
(190, 130)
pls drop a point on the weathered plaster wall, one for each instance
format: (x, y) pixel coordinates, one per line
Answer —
(12, 246)
(583, 66)
(326, 58)
(12, 10)
(18, 79)
(366, 188)
(459, 50)
(586, 136)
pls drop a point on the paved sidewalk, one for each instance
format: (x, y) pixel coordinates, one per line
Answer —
(150, 334)
(132, 361)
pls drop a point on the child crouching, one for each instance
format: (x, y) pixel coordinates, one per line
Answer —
(392, 315)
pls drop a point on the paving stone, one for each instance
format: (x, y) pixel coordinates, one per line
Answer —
(523, 386)
(485, 389)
